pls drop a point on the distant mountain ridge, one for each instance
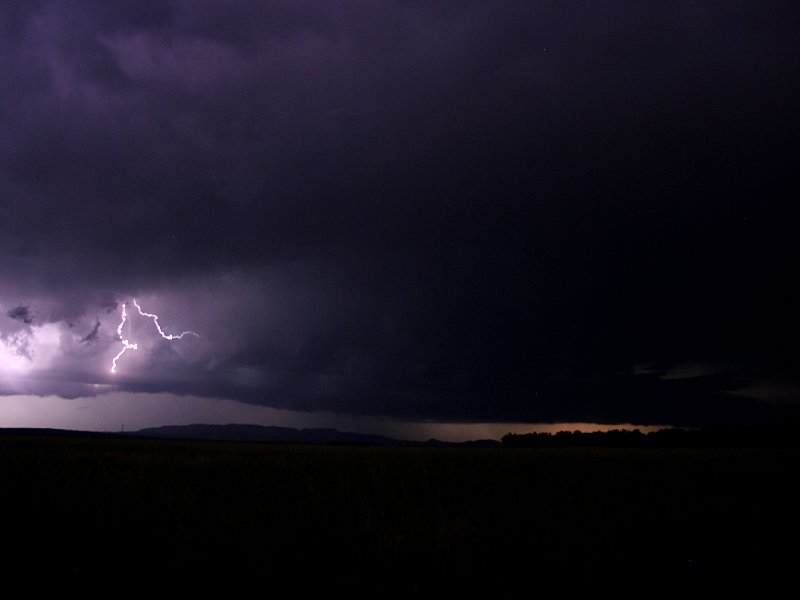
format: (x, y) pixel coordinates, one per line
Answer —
(262, 433)
(287, 435)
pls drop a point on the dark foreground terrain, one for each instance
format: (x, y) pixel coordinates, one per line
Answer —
(88, 512)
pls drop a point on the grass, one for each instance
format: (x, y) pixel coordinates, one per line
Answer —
(410, 520)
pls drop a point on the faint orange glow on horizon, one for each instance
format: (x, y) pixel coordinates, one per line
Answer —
(457, 432)
(117, 410)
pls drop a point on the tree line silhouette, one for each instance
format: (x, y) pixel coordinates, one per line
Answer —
(703, 437)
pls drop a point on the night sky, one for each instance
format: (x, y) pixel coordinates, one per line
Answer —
(455, 211)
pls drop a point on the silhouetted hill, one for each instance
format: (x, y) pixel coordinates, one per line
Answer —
(260, 433)
(48, 432)
(246, 433)
(288, 435)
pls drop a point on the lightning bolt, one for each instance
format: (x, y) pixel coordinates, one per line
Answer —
(155, 320)
(126, 345)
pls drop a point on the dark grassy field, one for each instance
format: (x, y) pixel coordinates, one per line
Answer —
(409, 520)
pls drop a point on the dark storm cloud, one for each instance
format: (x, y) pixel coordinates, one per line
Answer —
(21, 313)
(487, 210)
(92, 336)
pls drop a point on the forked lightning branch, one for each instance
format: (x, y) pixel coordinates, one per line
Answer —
(127, 345)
